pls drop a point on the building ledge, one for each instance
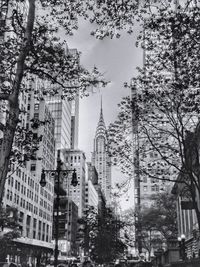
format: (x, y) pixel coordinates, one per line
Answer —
(34, 242)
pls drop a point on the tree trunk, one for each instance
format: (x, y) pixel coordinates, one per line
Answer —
(13, 100)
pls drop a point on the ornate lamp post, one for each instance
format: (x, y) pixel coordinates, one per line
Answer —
(56, 175)
(181, 241)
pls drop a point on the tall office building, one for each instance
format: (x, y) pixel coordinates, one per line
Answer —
(64, 111)
(91, 196)
(61, 112)
(101, 159)
(75, 158)
(74, 122)
(22, 188)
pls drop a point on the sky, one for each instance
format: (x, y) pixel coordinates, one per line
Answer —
(117, 59)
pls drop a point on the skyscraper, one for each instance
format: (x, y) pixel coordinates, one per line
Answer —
(61, 112)
(22, 189)
(74, 122)
(75, 158)
(65, 112)
(100, 157)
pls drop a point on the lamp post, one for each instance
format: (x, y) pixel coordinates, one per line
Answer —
(56, 175)
(181, 241)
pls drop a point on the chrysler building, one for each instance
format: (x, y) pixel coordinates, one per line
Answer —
(101, 159)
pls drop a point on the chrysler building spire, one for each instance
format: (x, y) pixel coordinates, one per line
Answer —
(101, 127)
(101, 158)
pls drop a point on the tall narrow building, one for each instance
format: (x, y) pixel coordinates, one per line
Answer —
(74, 123)
(101, 159)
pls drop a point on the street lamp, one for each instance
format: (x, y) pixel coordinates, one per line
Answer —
(56, 175)
(181, 241)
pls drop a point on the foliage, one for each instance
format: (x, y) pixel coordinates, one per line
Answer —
(35, 59)
(8, 218)
(120, 138)
(9, 230)
(101, 236)
(162, 215)
(155, 225)
(162, 113)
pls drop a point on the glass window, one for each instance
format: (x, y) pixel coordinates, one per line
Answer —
(33, 167)
(145, 188)
(36, 106)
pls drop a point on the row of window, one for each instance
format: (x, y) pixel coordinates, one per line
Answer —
(23, 176)
(48, 165)
(154, 188)
(28, 206)
(46, 194)
(43, 232)
(25, 191)
(73, 159)
(145, 180)
(43, 214)
(46, 205)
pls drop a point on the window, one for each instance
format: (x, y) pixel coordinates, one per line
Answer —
(33, 167)
(34, 223)
(47, 233)
(155, 188)
(21, 202)
(34, 234)
(36, 106)
(15, 184)
(17, 200)
(8, 194)
(36, 116)
(144, 179)
(145, 188)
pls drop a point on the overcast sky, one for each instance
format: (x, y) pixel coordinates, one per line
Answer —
(117, 59)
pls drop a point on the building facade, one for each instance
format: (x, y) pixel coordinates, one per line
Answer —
(22, 188)
(91, 196)
(187, 218)
(75, 123)
(67, 228)
(61, 112)
(92, 174)
(75, 159)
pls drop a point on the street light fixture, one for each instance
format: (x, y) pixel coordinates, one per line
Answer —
(181, 241)
(56, 175)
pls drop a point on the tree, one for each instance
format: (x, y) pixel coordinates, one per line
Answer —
(162, 215)
(101, 236)
(9, 230)
(31, 49)
(163, 111)
(155, 225)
